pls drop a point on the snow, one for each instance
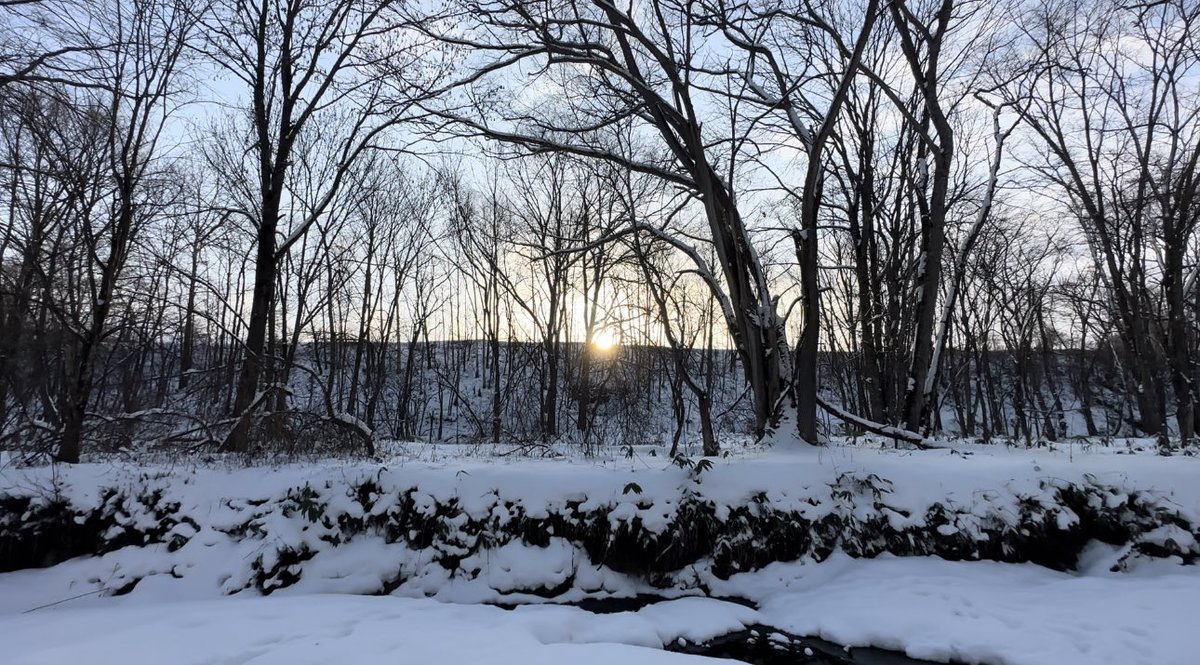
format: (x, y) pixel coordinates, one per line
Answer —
(959, 472)
(973, 612)
(323, 629)
(986, 612)
(978, 612)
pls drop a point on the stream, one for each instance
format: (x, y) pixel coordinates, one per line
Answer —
(765, 645)
(759, 644)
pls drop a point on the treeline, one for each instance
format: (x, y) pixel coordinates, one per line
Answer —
(239, 225)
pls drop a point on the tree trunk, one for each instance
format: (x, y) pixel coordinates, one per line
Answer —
(238, 440)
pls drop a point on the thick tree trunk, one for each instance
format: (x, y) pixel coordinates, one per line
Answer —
(920, 390)
(404, 399)
(926, 72)
(804, 381)
(238, 439)
(707, 435)
(75, 405)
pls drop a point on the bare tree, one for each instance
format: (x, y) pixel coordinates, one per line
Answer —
(1110, 97)
(636, 65)
(784, 51)
(42, 44)
(140, 81)
(301, 61)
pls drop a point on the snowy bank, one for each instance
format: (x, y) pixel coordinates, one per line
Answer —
(466, 529)
(811, 538)
(322, 629)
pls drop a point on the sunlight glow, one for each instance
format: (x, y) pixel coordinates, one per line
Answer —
(604, 340)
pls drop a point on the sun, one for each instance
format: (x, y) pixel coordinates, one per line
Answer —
(604, 340)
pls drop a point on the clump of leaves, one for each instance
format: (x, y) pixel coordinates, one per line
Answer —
(304, 500)
(683, 461)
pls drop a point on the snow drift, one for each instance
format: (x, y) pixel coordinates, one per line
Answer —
(512, 533)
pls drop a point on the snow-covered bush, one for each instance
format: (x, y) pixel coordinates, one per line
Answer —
(426, 537)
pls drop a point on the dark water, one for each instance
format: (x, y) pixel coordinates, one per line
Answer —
(765, 645)
(760, 645)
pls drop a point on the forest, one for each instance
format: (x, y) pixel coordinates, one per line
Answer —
(817, 332)
(227, 223)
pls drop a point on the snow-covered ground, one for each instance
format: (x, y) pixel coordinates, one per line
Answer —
(975, 612)
(331, 629)
(979, 612)
(987, 612)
